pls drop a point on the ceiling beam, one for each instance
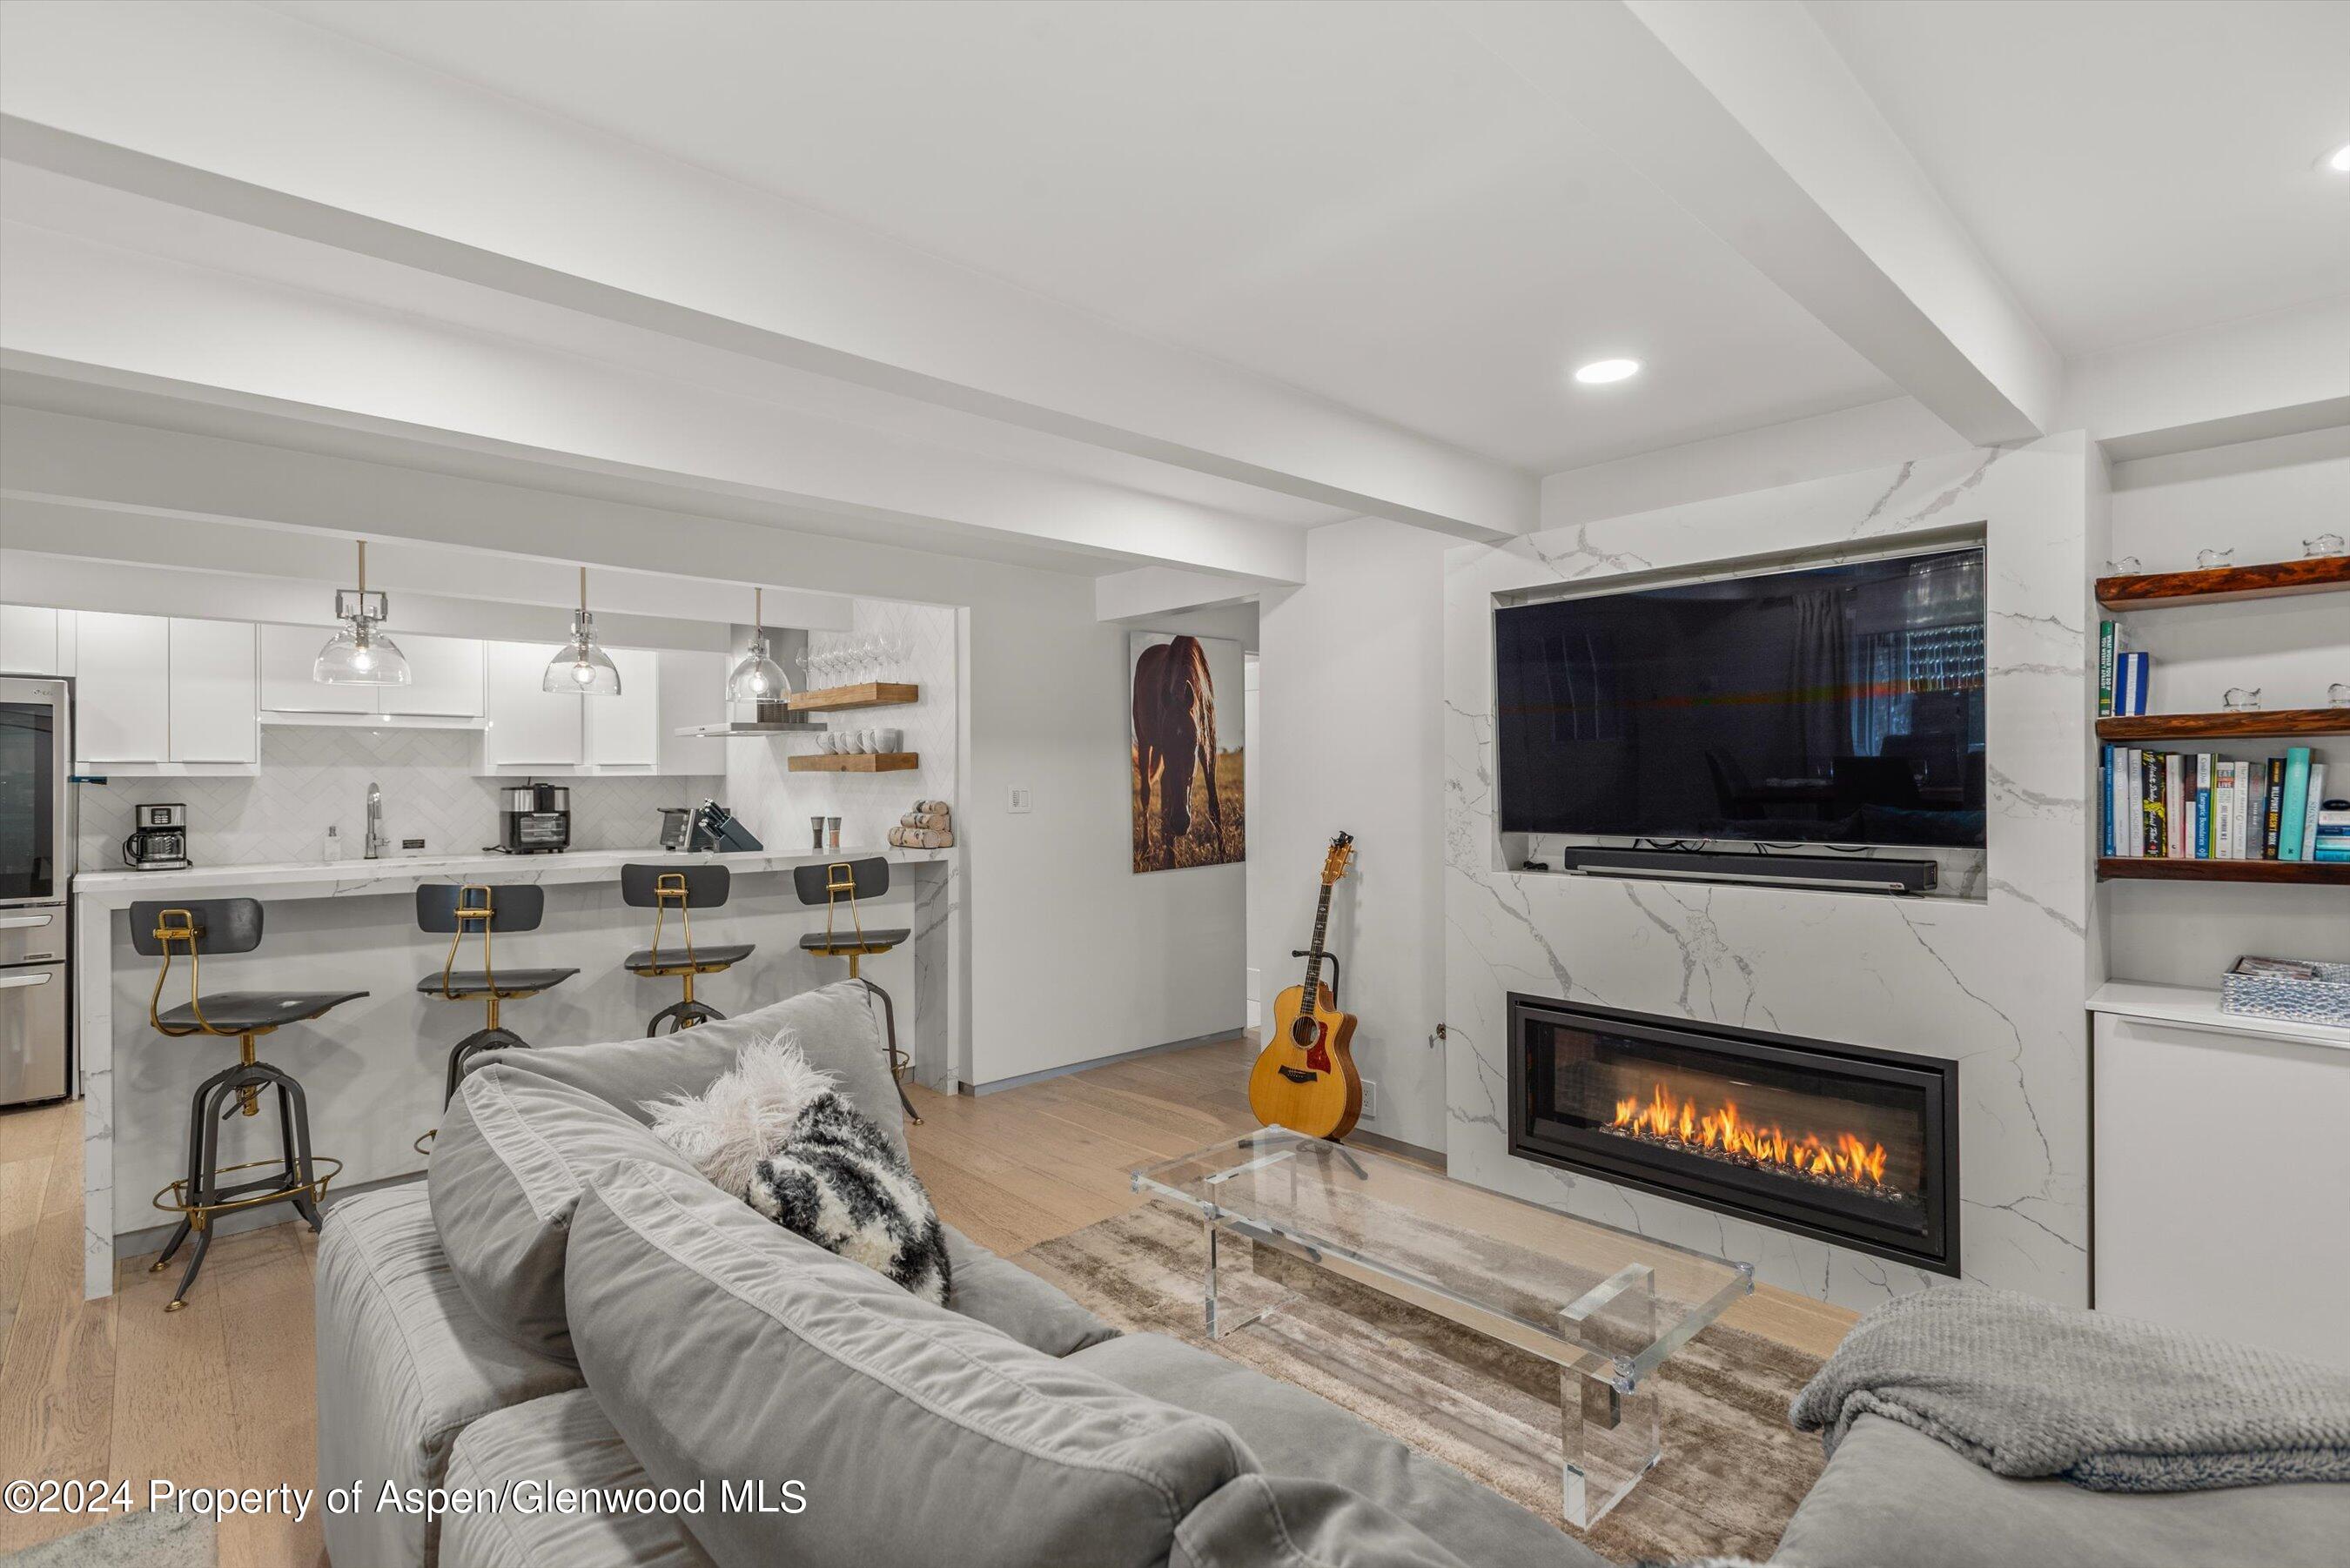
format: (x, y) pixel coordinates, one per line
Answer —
(1742, 111)
(49, 459)
(1164, 590)
(99, 313)
(249, 115)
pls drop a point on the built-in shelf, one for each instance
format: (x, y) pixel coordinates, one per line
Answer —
(2221, 584)
(2155, 868)
(2193, 1007)
(861, 763)
(2280, 721)
(870, 694)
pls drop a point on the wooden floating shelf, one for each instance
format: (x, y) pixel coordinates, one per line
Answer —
(2307, 873)
(2281, 722)
(871, 694)
(862, 762)
(2224, 585)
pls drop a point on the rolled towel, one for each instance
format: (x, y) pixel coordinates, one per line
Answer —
(902, 838)
(934, 807)
(937, 819)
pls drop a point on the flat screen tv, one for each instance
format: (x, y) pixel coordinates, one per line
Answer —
(1836, 704)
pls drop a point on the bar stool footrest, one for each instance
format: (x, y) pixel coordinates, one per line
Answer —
(249, 1194)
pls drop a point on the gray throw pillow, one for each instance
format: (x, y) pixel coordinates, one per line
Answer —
(513, 1153)
(724, 1349)
(836, 1025)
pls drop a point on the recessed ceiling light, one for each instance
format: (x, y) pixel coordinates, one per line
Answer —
(1599, 372)
(2340, 161)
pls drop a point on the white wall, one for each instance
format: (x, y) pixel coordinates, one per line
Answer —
(1073, 956)
(2262, 499)
(1350, 673)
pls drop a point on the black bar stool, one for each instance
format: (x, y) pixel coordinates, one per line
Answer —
(458, 909)
(685, 888)
(851, 880)
(214, 926)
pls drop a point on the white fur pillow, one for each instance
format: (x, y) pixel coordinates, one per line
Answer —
(745, 1114)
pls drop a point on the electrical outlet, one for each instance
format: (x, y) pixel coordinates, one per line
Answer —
(1021, 796)
(1370, 1097)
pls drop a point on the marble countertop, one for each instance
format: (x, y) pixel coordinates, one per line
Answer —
(402, 873)
(2195, 1007)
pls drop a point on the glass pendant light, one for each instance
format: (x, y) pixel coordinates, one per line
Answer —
(757, 677)
(360, 655)
(580, 665)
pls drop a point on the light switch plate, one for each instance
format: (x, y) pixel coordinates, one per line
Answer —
(1021, 797)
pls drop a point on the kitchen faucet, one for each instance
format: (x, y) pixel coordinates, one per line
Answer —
(376, 842)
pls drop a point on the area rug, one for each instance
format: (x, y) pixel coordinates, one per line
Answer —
(1733, 1473)
(142, 1539)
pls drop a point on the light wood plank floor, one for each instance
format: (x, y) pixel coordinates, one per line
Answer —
(117, 1390)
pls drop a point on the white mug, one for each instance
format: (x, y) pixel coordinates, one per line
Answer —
(828, 742)
(891, 740)
(869, 741)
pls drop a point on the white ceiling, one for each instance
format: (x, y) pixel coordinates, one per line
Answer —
(1359, 200)
(2133, 171)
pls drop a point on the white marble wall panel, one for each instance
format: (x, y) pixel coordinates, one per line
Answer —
(1997, 983)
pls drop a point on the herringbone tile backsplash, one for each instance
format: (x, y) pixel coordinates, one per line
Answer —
(311, 779)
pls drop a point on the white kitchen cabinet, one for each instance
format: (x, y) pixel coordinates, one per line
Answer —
(693, 694)
(287, 655)
(624, 731)
(122, 701)
(529, 727)
(213, 692)
(444, 677)
(29, 640)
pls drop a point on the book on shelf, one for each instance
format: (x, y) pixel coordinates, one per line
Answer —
(2131, 680)
(2272, 808)
(2293, 805)
(2109, 644)
(2199, 805)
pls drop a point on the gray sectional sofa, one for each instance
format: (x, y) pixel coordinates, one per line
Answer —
(567, 1305)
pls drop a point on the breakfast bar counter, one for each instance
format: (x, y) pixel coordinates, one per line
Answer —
(373, 1068)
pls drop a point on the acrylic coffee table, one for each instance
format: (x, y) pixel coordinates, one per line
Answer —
(1605, 1307)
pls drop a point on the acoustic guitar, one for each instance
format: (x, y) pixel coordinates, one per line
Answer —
(1304, 1078)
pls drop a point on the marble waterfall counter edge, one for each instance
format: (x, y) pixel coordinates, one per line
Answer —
(372, 1068)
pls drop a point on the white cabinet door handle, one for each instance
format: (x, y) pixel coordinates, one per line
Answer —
(23, 922)
(11, 981)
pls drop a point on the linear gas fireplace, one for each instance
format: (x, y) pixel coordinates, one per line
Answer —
(1840, 1142)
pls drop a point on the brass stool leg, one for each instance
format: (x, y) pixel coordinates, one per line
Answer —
(196, 1121)
(221, 1102)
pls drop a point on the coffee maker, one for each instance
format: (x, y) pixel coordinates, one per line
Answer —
(158, 838)
(533, 819)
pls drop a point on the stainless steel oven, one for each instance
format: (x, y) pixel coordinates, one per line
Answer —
(36, 862)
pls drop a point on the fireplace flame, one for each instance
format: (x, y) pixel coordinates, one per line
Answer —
(1666, 1115)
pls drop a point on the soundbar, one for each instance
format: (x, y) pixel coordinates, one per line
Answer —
(1849, 873)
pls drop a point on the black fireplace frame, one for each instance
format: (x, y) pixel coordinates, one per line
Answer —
(1935, 1251)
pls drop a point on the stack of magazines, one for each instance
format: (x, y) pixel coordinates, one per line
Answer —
(2194, 805)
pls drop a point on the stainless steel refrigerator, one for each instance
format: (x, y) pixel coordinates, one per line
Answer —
(36, 862)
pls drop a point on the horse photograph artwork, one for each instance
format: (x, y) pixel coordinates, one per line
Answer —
(1190, 757)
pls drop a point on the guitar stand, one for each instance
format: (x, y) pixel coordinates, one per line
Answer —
(1331, 959)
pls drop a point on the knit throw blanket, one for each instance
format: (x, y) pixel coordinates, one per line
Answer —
(2025, 1388)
